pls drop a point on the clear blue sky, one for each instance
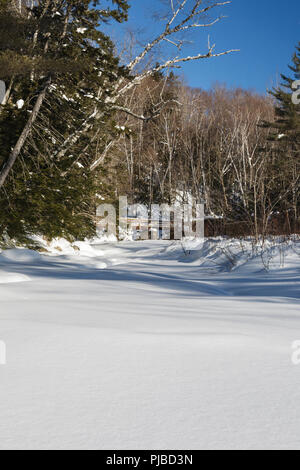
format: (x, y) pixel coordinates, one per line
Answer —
(266, 32)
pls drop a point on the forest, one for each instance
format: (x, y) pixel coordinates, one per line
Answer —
(82, 123)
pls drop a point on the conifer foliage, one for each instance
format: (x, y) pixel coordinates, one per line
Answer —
(287, 110)
(59, 68)
(285, 137)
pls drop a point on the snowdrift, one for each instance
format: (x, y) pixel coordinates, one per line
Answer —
(223, 255)
(213, 254)
(7, 278)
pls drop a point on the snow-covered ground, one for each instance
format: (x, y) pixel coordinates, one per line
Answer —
(144, 346)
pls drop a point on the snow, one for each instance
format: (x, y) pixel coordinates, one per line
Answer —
(19, 255)
(6, 278)
(20, 104)
(147, 345)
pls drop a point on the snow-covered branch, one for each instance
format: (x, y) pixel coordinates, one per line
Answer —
(185, 16)
(183, 24)
(122, 109)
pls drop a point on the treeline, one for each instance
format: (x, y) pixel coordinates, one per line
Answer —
(78, 128)
(216, 147)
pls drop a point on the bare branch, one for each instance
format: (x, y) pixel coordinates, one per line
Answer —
(174, 62)
(133, 114)
(102, 157)
(181, 26)
(122, 87)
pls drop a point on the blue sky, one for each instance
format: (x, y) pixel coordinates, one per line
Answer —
(266, 32)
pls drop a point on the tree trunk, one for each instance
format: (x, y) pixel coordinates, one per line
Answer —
(23, 137)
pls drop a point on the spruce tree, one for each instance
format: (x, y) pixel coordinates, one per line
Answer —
(61, 51)
(285, 138)
(287, 112)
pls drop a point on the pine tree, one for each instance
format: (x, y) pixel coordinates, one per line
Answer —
(61, 54)
(285, 138)
(287, 113)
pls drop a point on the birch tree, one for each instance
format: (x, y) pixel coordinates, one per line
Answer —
(184, 16)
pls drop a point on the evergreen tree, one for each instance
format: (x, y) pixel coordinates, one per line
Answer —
(61, 57)
(287, 112)
(286, 145)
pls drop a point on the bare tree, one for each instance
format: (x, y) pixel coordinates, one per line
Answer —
(184, 16)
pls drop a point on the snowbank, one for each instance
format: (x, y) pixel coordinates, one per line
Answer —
(217, 254)
(19, 255)
(7, 278)
(238, 255)
(61, 246)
